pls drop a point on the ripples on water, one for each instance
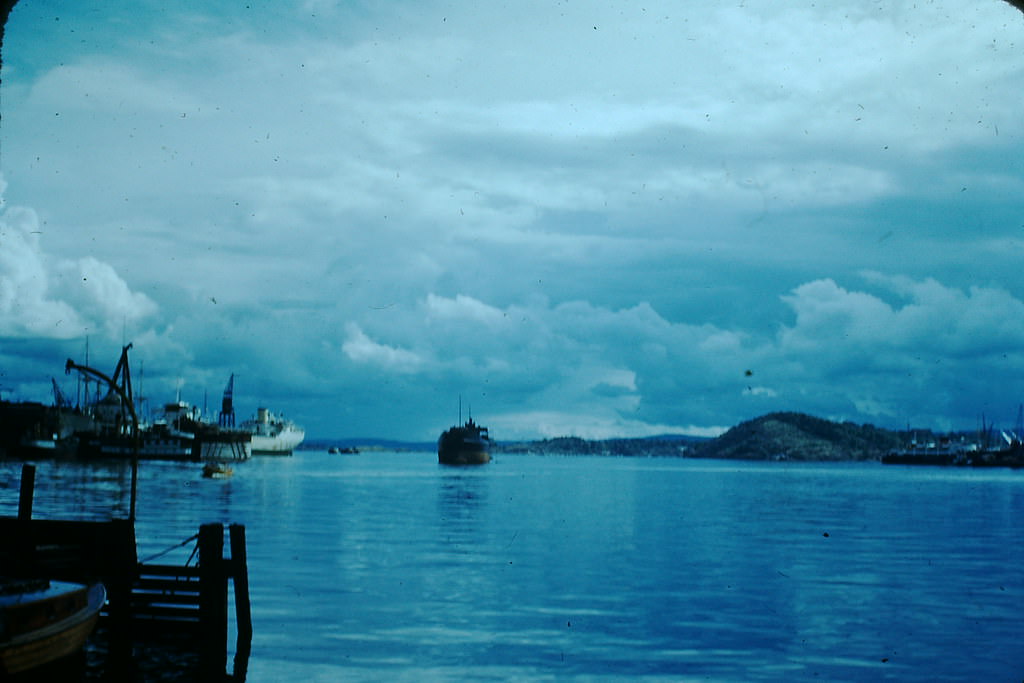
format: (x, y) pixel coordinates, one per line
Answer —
(388, 566)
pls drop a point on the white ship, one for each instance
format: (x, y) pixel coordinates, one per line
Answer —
(273, 435)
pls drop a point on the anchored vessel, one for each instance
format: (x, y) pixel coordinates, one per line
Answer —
(273, 435)
(465, 445)
(266, 434)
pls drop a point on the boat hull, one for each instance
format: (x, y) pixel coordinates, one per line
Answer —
(272, 435)
(163, 447)
(465, 445)
(463, 457)
(50, 640)
(898, 458)
(282, 444)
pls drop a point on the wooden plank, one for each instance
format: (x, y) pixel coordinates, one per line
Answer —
(170, 611)
(162, 611)
(168, 570)
(167, 586)
(140, 600)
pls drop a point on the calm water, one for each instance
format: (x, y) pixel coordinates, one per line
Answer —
(391, 567)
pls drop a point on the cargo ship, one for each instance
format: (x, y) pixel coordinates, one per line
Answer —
(266, 433)
(273, 435)
(466, 445)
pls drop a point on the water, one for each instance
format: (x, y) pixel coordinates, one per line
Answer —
(387, 566)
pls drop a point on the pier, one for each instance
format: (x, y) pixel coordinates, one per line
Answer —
(146, 602)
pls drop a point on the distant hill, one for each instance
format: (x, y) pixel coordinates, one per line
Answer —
(776, 436)
(795, 436)
(664, 445)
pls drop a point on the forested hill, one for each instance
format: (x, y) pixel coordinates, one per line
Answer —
(795, 436)
(669, 445)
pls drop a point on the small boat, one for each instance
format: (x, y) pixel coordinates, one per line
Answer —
(343, 450)
(42, 621)
(465, 445)
(216, 470)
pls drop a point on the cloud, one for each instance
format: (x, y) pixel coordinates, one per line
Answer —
(934, 320)
(26, 309)
(586, 425)
(93, 83)
(59, 299)
(100, 295)
(361, 349)
(463, 307)
(400, 205)
(928, 349)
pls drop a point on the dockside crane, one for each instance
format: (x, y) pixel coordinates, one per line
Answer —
(59, 399)
(121, 385)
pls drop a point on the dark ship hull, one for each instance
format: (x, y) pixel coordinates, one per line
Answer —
(32, 430)
(465, 445)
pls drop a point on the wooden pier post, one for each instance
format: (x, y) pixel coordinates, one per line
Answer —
(213, 599)
(28, 487)
(243, 614)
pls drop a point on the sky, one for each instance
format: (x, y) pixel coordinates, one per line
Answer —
(600, 219)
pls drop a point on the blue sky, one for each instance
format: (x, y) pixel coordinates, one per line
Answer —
(600, 219)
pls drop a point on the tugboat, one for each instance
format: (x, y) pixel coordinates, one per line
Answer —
(465, 445)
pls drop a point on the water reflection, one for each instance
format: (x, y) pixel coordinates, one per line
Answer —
(96, 491)
(461, 495)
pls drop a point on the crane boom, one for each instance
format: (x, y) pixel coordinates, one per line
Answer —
(121, 385)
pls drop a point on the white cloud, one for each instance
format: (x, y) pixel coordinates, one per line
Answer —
(464, 307)
(825, 313)
(934, 320)
(513, 198)
(98, 293)
(94, 83)
(59, 299)
(26, 309)
(587, 425)
(361, 349)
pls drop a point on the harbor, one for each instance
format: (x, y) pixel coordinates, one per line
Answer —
(986, 449)
(142, 604)
(109, 424)
(77, 597)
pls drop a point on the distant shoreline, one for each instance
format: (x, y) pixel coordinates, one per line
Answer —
(783, 436)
